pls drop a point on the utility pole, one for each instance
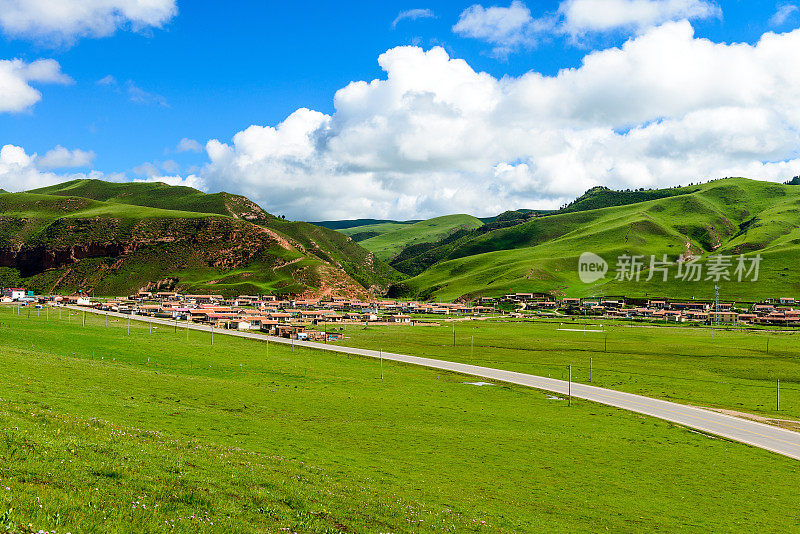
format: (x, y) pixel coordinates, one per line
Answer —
(716, 302)
(779, 394)
(381, 353)
(187, 330)
(267, 349)
(471, 340)
(129, 325)
(454, 332)
(212, 334)
(569, 386)
(84, 317)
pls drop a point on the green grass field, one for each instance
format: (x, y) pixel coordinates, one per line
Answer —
(390, 243)
(732, 370)
(109, 432)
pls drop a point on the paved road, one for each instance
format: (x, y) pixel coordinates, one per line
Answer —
(760, 435)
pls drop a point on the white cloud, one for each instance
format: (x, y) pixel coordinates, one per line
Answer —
(437, 137)
(147, 169)
(192, 181)
(587, 16)
(62, 158)
(413, 14)
(137, 95)
(63, 21)
(20, 171)
(16, 76)
(189, 145)
(783, 14)
(513, 27)
(107, 80)
(505, 27)
(170, 166)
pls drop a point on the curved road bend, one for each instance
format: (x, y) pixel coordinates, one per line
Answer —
(771, 438)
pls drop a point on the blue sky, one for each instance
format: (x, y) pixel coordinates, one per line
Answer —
(211, 70)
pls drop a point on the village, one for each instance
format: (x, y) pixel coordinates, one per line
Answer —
(309, 319)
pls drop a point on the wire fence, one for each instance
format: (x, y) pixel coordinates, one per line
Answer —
(257, 365)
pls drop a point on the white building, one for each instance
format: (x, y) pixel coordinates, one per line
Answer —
(15, 293)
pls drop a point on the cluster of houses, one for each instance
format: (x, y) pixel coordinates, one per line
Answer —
(290, 317)
(285, 318)
(778, 311)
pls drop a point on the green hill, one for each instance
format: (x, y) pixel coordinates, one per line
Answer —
(730, 217)
(603, 197)
(388, 244)
(366, 231)
(160, 195)
(116, 240)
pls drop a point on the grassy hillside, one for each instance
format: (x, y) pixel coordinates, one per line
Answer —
(390, 243)
(367, 231)
(160, 195)
(603, 197)
(339, 250)
(416, 258)
(731, 216)
(65, 243)
(321, 243)
(109, 432)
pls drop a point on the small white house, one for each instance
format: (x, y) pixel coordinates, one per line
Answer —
(15, 293)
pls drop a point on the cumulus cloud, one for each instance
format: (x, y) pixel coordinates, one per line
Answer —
(16, 76)
(192, 181)
(513, 27)
(63, 158)
(783, 14)
(63, 21)
(435, 136)
(588, 16)
(20, 171)
(413, 14)
(189, 145)
(507, 28)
